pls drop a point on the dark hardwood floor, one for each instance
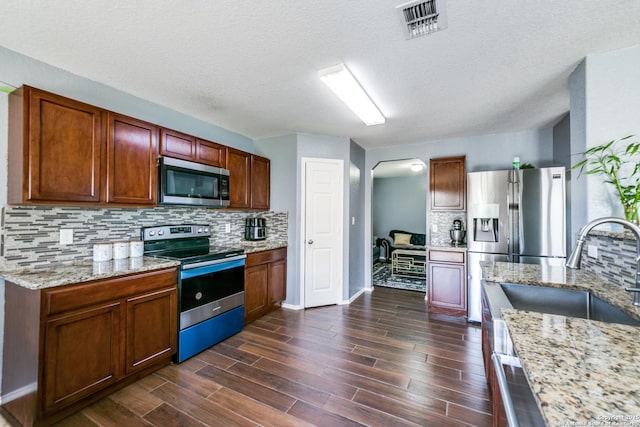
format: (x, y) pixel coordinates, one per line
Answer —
(381, 361)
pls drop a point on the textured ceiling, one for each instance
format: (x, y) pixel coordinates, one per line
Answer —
(251, 66)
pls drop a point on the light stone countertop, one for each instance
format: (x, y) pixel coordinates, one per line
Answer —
(82, 271)
(448, 247)
(261, 245)
(581, 372)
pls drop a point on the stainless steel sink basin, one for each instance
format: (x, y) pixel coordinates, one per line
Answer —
(566, 302)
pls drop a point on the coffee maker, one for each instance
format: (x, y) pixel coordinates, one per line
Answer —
(255, 229)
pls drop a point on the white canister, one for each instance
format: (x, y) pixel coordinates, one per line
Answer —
(136, 248)
(102, 252)
(120, 250)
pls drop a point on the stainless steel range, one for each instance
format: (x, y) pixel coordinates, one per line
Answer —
(210, 284)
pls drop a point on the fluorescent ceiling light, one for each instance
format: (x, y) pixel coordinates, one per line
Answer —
(417, 167)
(342, 83)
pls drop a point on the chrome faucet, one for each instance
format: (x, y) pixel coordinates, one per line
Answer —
(574, 258)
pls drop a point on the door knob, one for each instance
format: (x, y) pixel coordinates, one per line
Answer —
(310, 241)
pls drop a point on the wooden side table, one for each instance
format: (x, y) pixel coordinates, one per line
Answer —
(409, 263)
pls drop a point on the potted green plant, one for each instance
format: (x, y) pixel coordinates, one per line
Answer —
(620, 165)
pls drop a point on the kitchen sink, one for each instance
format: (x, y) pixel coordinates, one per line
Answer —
(567, 302)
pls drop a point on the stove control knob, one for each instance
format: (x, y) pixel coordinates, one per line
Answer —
(160, 232)
(199, 230)
(206, 229)
(152, 233)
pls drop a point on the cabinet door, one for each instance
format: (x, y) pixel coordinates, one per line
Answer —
(256, 281)
(260, 182)
(132, 152)
(151, 328)
(210, 153)
(82, 354)
(277, 282)
(177, 145)
(447, 289)
(239, 165)
(65, 150)
(447, 183)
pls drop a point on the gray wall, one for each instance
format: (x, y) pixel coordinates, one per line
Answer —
(605, 100)
(284, 198)
(18, 69)
(356, 213)
(399, 203)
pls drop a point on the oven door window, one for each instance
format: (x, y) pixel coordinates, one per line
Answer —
(198, 290)
(188, 183)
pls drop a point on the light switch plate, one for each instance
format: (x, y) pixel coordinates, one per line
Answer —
(227, 228)
(66, 236)
(592, 251)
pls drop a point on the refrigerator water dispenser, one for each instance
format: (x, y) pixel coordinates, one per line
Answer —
(485, 229)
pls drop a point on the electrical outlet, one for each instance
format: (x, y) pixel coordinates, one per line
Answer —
(592, 251)
(434, 228)
(66, 236)
(353, 220)
(227, 228)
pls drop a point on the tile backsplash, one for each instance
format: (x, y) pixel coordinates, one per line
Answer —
(616, 257)
(30, 235)
(444, 221)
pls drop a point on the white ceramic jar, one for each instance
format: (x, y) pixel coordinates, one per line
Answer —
(102, 252)
(120, 250)
(136, 248)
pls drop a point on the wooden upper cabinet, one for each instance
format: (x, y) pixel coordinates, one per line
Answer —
(447, 183)
(132, 152)
(186, 147)
(260, 182)
(210, 153)
(57, 148)
(249, 180)
(239, 165)
(177, 145)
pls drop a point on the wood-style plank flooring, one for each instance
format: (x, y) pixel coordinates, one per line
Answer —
(381, 361)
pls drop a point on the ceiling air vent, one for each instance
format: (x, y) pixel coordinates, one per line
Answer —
(420, 18)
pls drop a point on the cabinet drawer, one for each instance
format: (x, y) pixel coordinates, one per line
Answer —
(446, 256)
(264, 257)
(72, 297)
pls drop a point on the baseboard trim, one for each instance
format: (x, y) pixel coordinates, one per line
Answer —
(292, 306)
(16, 394)
(353, 298)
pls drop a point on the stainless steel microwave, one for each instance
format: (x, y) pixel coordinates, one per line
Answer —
(193, 184)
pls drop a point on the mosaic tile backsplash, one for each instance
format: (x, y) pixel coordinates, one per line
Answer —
(30, 235)
(616, 257)
(444, 221)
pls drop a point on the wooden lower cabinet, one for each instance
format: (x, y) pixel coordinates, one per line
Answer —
(82, 352)
(447, 282)
(265, 282)
(91, 339)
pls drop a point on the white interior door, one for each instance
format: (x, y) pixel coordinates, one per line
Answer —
(322, 230)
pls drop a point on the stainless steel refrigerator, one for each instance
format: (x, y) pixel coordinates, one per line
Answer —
(516, 216)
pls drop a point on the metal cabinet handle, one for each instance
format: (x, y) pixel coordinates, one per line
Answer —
(310, 241)
(507, 402)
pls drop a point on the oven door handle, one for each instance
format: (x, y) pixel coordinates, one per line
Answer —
(206, 267)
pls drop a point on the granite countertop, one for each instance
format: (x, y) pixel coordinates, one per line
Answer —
(581, 372)
(86, 270)
(448, 246)
(261, 245)
(82, 271)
